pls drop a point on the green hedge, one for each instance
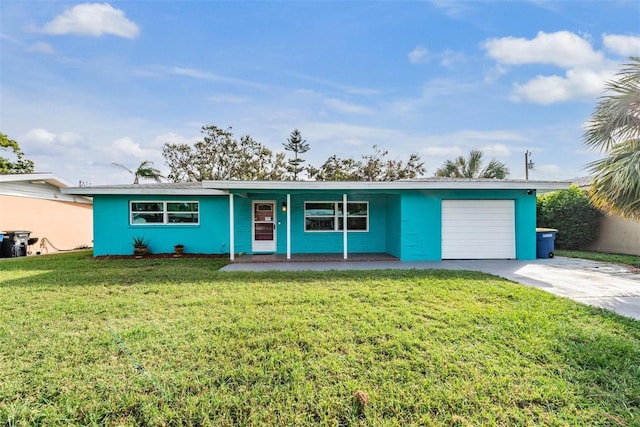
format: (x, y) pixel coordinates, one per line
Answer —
(572, 214)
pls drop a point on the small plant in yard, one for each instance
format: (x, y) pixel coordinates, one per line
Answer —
(140, 245)
(140, 241)
(178, 249)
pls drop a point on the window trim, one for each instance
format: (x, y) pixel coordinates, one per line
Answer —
(165, 213)
(337, 216)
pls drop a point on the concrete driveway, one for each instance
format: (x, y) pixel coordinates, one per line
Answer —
(605, 285)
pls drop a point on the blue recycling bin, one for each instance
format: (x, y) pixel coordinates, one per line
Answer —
(545, 242)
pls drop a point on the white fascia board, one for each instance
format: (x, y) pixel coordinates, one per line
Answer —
(388, 185)
(92, 191)
(47, 177)
(57, 196)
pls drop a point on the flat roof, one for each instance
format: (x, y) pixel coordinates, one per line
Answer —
(37, 177)
(220, 188)
(415, 184)
(164, 188)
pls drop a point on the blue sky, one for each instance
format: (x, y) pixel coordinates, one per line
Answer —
(83, 85)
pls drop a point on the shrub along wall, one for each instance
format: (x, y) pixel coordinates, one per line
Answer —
(572, 214)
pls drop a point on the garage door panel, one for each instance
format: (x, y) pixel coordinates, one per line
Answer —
(478, 229)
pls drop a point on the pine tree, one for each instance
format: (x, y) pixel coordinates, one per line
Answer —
(297, 146)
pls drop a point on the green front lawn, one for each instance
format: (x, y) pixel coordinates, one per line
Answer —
(633, 260)
(176, 342)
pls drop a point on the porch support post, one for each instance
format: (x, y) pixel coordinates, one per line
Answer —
(344, 226)
(288, 226)
(232, 243)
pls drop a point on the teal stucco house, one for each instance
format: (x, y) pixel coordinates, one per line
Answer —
(414, 220)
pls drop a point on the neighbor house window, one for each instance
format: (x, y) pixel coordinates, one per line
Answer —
(328, 216)
(164, 213)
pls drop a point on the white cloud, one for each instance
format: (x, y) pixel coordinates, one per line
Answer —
(41, 141)
(10, 39)
(160, 140)
(576, 84)
(545, 171)
(361, 91)
(586, 72)
(448, 146)
(206, 75)
(336, 131)
(563, 48)
(622, 45)
(419, 55)
(353, 90)
(68, 138)
(474, 136)
(449, 57)
(451, 8)
(127, 149)
(345, 107)
(196, 74)
(437, 151)
(39, 136)
(353, 141)
(496, 150)
(495, 73)
(41, 47)
(92, 19)
(430, 94)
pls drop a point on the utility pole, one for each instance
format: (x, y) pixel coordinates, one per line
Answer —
(528, 164)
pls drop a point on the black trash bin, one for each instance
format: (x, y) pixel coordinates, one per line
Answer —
(545, 242)
(14, 243)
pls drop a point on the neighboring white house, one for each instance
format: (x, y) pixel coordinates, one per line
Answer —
(616, 235)
(33, 202)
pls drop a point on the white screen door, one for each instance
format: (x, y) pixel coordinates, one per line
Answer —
(264, 227)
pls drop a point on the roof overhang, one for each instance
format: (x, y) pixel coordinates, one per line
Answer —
(148, 190)
(435, 184)
(35, 178)
(223, 188)
(41, 185)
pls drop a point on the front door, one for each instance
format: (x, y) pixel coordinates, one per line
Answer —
(264, 227)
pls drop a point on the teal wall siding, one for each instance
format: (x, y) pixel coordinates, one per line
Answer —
(394, 215)
(242, 224)
(526, 227)
(421, 221)
(113, 234)
(373, 240)
(313, 242)
(420, 226)
(406, 225)
(243, 212)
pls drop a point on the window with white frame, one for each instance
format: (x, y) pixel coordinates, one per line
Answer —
(155, 213)
(328, 216)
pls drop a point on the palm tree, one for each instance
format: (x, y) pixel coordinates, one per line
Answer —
(471, 167)
(144, 171)
(615, 129)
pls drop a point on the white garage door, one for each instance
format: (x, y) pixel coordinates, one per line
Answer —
(478, 229)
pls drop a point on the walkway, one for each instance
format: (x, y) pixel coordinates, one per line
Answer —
(599, 284)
